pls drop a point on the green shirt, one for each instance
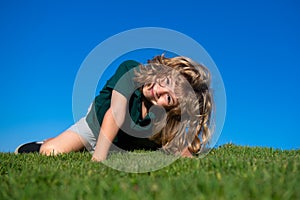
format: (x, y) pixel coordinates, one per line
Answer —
(135, 131)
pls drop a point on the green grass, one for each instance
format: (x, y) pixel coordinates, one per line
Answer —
(228, 172)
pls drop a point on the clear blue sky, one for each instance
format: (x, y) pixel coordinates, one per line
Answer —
(255, 45)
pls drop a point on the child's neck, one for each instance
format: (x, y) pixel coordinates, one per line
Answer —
(144, 110)
(145, 107)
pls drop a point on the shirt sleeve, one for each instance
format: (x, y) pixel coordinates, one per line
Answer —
(122, 81)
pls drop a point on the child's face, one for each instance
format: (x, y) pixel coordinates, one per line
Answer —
(161, 93)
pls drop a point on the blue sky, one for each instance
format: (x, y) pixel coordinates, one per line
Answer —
(255, 45)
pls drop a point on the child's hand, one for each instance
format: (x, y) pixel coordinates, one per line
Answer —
(186, 153)
(95, 159)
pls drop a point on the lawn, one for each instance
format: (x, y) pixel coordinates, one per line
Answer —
(227, 172)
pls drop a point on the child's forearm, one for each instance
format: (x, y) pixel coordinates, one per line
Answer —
(112, 121)
(108, 132)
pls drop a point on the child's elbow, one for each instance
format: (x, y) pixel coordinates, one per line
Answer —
(118, 116)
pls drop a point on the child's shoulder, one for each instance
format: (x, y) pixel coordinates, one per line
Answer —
(129, 63)
(126, 66)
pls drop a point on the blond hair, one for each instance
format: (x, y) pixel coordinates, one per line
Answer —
(188, 124)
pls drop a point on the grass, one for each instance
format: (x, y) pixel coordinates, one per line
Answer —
(228, 172)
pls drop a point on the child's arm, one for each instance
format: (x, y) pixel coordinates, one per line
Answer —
(113, 119)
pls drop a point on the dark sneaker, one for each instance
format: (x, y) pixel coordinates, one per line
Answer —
(30, 147)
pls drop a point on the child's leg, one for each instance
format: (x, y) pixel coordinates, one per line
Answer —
(64, 143)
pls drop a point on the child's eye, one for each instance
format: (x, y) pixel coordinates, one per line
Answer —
(167, 81)
(169, 99)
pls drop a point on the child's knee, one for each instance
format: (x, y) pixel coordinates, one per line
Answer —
(49, 149)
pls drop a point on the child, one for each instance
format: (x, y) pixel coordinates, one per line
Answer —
(165, 104)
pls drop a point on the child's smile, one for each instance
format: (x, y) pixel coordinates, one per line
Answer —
(161, 93)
